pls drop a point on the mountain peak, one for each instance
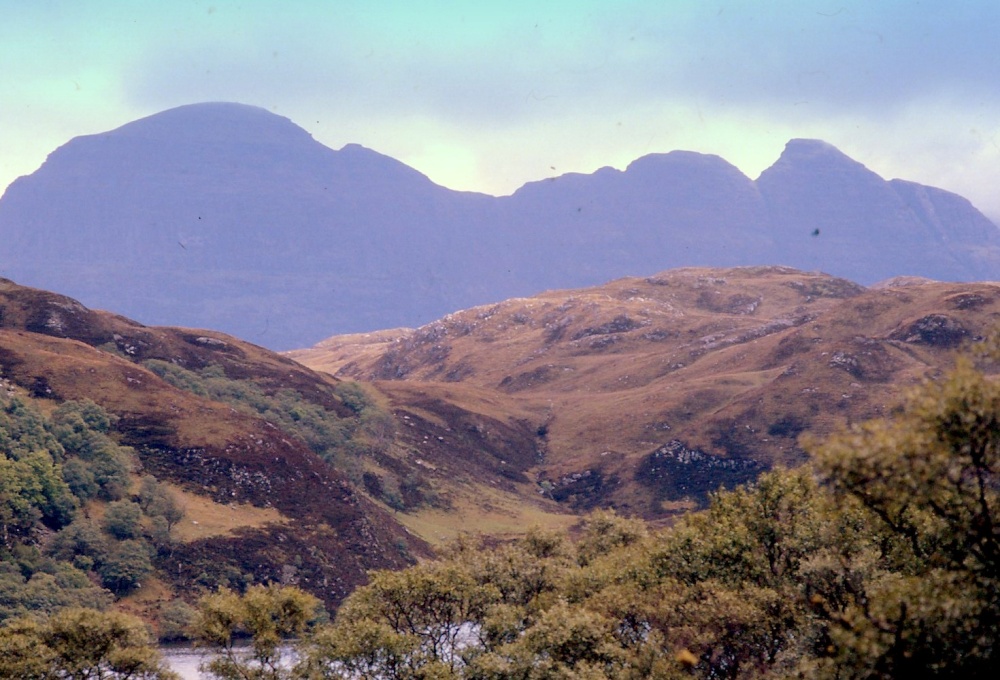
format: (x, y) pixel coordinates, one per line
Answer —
(678, 159)
(215, 121)
(231, 216)
(802, 145)
(813, 153)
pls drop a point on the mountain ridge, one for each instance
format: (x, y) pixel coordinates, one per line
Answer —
(229, 216)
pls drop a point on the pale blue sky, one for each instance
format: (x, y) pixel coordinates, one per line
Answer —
(488, 96)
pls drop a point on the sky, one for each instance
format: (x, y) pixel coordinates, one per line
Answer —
(487, 96)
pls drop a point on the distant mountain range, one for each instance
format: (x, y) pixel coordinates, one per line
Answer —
(228, 216)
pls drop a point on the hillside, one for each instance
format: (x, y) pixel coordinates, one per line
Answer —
(285, 474)
(650, 392)
(230, 217)
(643, 394)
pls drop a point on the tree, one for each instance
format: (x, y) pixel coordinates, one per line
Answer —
(80, 644)
(52, 586)
(125, 566)
(93, 415)
(122, 520)
(175, 620)
(23, 653)
(32, 492)
(271, 615)
(885, 565)
(157, 500)
(438, 605)
(930, 480)
(81, 543)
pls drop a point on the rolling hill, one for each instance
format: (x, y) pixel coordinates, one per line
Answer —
(643, 394)
(651, 392)
(286, 474)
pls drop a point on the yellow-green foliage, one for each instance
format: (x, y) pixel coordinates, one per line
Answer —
(79, 643)
(883, 561)
(269, 615)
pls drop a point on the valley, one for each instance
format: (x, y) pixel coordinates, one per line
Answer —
(454, 398)
(377, 451)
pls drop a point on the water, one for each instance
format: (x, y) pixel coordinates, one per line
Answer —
(184, 660)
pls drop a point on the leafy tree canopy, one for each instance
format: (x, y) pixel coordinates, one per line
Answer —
(80, 643)
(881, 560)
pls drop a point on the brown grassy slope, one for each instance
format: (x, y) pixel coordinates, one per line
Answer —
(332, 534)
(652, 391)
(54, 315)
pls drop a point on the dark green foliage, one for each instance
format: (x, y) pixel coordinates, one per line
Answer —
(81, 428)
(353, 396)
(50, 467)
(23, 430)
(80, 479)
(124, 567)
(121, 520)
(32, 490)
(50, 587)
(93, 415)
(82, 543)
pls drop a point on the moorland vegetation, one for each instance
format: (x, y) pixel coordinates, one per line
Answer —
(879, 559)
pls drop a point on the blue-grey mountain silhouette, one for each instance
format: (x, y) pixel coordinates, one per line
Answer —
(230, 217)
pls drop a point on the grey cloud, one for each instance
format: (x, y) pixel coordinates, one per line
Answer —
(849, 56)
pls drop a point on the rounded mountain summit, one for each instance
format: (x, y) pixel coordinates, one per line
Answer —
(230, 217)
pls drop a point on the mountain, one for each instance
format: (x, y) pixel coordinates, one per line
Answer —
(578, 229)
(832, 213)
(651, 392)
(228, 216)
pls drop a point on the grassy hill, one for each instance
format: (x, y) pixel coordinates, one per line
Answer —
(647, 393)
(284, 474)
(366, 451)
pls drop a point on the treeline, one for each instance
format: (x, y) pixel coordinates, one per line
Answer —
(880, 560)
